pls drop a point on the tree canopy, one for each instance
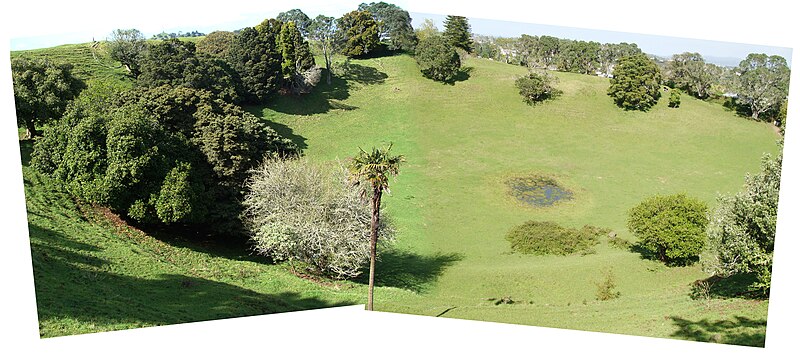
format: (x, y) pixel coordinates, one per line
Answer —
(763, 82)
(636, 84)
(359, 33)
(256, 58)
(217, 43)
(672, 227)
(537, 87)
(128, 46)
(394, 25)
(42, 90)
(458, 33)
(300, 19)
(438, 59)
(690, 72)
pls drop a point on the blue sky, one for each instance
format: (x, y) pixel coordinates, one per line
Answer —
(719, 52)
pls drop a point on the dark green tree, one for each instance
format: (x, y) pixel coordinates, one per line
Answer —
(548, 51)
(458, 33)
(300, 19)
(672, 227)
(611, 53)
(690, 72)
(128, 47)
(217, 43)
(636, 84)
(763, 82)
(394, 25)
(438, 59)
(256, 58)
(294, 51)
(674, 98)
(579, 56)
(42, 90)
(358, 32)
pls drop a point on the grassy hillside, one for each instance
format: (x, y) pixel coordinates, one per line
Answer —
(90, 61)
(463, 141)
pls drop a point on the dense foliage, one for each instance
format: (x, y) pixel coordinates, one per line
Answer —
(458, 33)
(176, 63)
(763, 82)
(438, 59)
(159, 155)
(636, 84)
(741, 232)
(579, 57)
(690, 72)
(255, 56)
(42, 90)
(537, 87)
(296, 59)
(217, 43)
(674, 98)
(300, 19)
(394, 25)
(358, 32)
(672, 227)
(128, 47)
(547, 237)
(298, 211)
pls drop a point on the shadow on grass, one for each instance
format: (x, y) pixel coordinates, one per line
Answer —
(647, 254)
(462, 75)
(73, 285)
(734, 286)
(410, 271)
(740, 331)
(287, 132)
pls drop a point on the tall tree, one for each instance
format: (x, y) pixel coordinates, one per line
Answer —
(217, 43)
(458, 32)
(579, 56)
(427, 29)
(295, 53)
(255, 56)
(358, 32)
(42, 90)
(548, 50)
(438, 59)
(636, 84)
(394, 25)
(374, 168)
(300, 19)
(691, 73)
(127, 46)
(323, 32)
(763, 82)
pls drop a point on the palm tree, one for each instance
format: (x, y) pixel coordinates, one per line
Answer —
(374, 168)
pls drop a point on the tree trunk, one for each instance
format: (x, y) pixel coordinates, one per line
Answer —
(373, 242)
(327, 62)
(30, 131)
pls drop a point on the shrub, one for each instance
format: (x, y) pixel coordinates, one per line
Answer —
(540, 238)
(674, 99)
(438, 60)
(606, 289)
(297, 211)
(537, 87)
(671, 227)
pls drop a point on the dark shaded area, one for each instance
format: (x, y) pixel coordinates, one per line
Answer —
(25, 150)
(287, 132)
(406, 270)
(645, 253)
(322, 99)
(538, 191)
(732, 104)
(740, 331)
(364, 75)
(734, 286)
(72, 283)
(463, 75)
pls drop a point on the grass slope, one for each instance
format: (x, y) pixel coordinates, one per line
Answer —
(90, 61)
(451, 205)
(93, 273)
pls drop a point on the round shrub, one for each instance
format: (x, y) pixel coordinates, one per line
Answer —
(636, 84)
(438, 59)
(674, 99)
(672, 227)
(311, 214)
(536, 87)
(547, 237)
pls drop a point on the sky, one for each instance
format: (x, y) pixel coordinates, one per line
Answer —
(718, 52)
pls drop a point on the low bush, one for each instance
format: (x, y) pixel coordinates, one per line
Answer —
(540, 238)
(606, 289)
(674, 99)
(537, 87)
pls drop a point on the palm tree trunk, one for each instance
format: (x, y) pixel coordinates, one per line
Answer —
(373, 242)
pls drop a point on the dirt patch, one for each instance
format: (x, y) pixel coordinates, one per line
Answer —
(538, 191)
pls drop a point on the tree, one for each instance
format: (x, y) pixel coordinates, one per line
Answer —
(763, 82)
(690, 72)
(296, 56)
(672, 227)
(323, 31)
(548, 51)
(359, 33)
(674, 98)
(427, 29)
(741, 231)
(127, 46)
(299, 211)
(42, 90)
(374, 169)
(438, 59)
(537, 87)
(636, 84)
(160, 155)
(394, 25)
(256, 58)
(458, 33)
(176, 63)
(611, 53)
(300, 19)
(579, 56)
(217, 43)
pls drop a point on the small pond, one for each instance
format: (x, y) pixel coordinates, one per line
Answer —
(538, 191)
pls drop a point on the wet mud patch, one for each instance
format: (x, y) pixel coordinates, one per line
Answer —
(538, 191)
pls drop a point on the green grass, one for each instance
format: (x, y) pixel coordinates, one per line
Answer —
(463, 141)
(90, 61)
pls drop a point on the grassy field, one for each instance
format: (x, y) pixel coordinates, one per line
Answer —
(462, 143)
